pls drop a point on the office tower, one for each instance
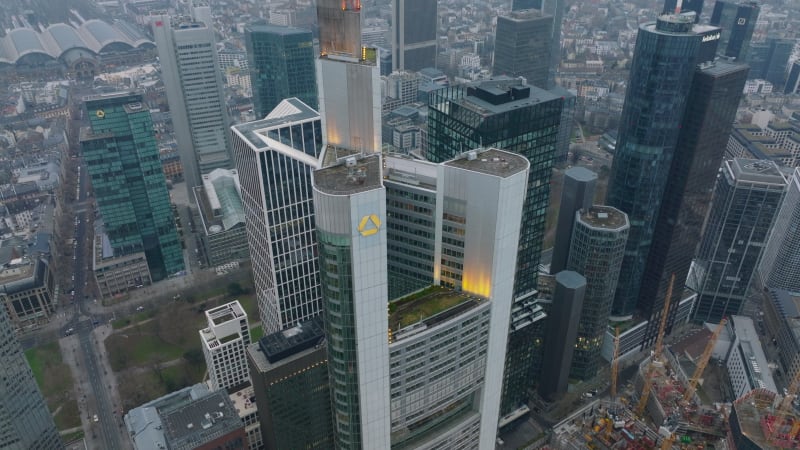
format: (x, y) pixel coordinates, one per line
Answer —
(281, 61)
(769, 60)
(121, 156)
(793, 79)
(522, 46)
(737, 22)
(746, 200)
(274, 157)
(224, 343)
(289, 372)
(522, 119)
(201, 11)
(431, 376)
(567, 118)
(193, 82)
(577, 193)
(25, 421)
(562, 330)
(597, 248)
(350, 208)
(654, 104)
(349, 80)
(780, 264)
(414, 34)
(705, 129)
(554, 9)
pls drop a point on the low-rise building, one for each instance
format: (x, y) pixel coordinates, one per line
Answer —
(746, 362)
(26, 290)
(117, 274)
(782, 318)
(219, 204)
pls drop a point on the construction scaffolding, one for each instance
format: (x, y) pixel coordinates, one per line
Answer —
(757, 421)
(603, 425)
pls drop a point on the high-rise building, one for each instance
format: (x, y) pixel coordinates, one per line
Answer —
(737, 21)
(522, 46)
(525, 120)
(423, 373)
(597, 247)
(554, 9)
(654, 104)
(224, 343)
(289, 371)
(281, 61)
(577, 193)
(121, 156)
(349, 79)
(193, 83)
(780, 264)
(274, 157)
(562, 331)
(769, 60)
(746, 200)
(414, 25)
(25, 421)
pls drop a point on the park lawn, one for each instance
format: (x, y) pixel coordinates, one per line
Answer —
(68, 416)
(250, 305)
(137, 386)
(131, 350)
(55, 381)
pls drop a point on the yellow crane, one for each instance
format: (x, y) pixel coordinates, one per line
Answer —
(703, 361)
(651, 368)
(615, 365)
(785, 408)
(668, 441)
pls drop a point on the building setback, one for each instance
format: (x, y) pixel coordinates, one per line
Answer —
(281, 61)
(25, 422)
(195, 92)
(121, 156)
(746, 200)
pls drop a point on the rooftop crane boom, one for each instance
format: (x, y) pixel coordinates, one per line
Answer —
(703, 361)
(785, 407)
(615, 365)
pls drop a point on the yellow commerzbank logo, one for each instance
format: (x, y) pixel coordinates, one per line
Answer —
(369, 225)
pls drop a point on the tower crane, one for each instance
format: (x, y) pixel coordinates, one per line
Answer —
(651, 368)
(784, 408)
(703, 362)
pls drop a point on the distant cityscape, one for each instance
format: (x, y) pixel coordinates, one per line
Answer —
(399, 224)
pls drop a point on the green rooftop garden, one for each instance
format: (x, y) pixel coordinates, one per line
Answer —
(422, 305)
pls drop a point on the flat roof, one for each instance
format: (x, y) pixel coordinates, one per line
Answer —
(283, 344)
(756, 171)
(753, 352)
(430, 306)
(351, 176)
(503, 83)
(604, 217)
(490, 161)
(201, 421)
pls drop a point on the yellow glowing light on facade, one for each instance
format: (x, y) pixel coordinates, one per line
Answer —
(477, 283)
(369, 225)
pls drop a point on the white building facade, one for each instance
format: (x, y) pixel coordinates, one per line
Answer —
(225, 342)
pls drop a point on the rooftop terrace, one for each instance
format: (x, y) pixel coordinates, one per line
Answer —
(429, 306)
(350, 177)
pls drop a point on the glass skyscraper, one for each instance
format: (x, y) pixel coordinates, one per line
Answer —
(746, 200)
(414, 34)
(737, 20)
(121, 156)
(780, 265)
(522, 119)
(25, 421)
(522, 46)
(281, 61)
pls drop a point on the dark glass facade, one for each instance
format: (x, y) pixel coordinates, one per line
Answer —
(746, 199)
(282, 65)
(778, 58)
(661, 75)
(128, 182)
(414, 34)
(704, 131)
(737, 20)
(522, 119)
(522, 46)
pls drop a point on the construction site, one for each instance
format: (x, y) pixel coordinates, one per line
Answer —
(672, 411)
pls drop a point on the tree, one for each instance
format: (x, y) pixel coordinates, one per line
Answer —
(235, 289)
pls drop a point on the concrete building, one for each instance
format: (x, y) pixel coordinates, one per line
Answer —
(274, 157)
(117, 274)
(289, 371)
(747, 365)
(219, 204)
(192, 418)
(747, 198)
(25, 421)
(195, 92)
(780, 264)
(414, 27)
(224, 343)
(596, 250)
(562, 333)
(522, 46)
(27, 292)
(577, 194)
(781, 312)
(121, 156)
